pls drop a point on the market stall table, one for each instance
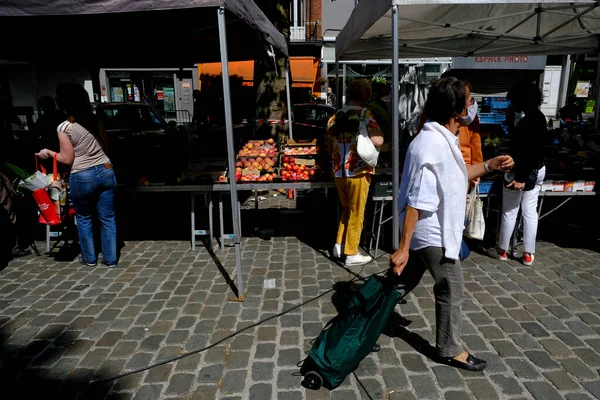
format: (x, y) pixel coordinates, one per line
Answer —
(257, 186)
(380, 201)
(194, 190)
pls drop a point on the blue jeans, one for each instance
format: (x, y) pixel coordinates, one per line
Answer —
(93, 193)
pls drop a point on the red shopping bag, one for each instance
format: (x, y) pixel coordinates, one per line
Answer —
(49, 213)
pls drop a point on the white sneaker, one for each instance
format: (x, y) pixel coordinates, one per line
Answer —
(337, 251)
(492, 252)
(357, 259)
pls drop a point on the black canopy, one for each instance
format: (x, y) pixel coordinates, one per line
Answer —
(125, 33)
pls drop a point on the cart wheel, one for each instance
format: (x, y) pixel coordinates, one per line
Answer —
(312, 381)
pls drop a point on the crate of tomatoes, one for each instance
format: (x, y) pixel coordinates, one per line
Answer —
(298, 169)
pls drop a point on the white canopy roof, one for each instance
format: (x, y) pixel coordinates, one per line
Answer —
(470, 28)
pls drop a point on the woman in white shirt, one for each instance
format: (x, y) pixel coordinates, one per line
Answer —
(432, 203)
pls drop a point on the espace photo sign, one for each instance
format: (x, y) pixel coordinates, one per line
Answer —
(499, 62)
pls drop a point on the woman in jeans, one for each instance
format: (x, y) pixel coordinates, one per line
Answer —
(352, 174)
(522, 187)
(83, 144)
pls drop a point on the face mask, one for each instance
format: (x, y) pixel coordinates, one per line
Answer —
(471, 114)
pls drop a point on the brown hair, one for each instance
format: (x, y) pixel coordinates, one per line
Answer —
(359, 90)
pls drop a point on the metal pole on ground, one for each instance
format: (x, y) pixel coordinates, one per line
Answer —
(395, 131)
(288, 91)
(230, 153)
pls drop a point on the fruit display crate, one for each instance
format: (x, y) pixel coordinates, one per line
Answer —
(299, 148)
(251, 176)
(258, 148)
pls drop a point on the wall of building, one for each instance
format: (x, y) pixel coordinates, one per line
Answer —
(335, 15)
(314, 16)
(21, 78)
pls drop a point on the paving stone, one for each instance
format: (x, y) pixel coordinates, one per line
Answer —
(556, 348)
(189, 363)
(286, 379)
(522, 368)
(237, 360)
(593, 388)
(509, 386)
(260, 391)
(542, 391)
(508, 325)
(561, 380)
(577, 396)
(448, 377)
(535, 329)
(542, 359)
(482, 389)
(457, 395)
(149, 392)
(395, 377)
(580, 328)
(159, 374)
(506, 349)
(578, 369)
(425, 387)
(265, 350)
(560, 312)
(413, 362)
(180, 384)
(211, 374)
(589, 357)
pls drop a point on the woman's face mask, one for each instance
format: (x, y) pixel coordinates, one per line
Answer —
(471, 114)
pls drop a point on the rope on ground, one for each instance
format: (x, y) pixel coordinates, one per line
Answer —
(361, 385)
(170, 360)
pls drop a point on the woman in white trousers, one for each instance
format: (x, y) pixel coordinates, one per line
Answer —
(522, 187)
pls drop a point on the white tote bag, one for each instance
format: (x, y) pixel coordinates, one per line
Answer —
(365, 148)
(474, 220)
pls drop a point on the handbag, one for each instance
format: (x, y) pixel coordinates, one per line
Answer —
(530, 181)
(364, 147)
(474, 222)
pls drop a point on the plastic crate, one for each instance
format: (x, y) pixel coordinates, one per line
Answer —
(485, 187)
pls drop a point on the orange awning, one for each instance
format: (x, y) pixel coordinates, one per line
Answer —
(304, 71)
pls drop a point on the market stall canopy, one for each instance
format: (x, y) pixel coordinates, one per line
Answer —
(157, 33)
(349, 73)
(457, 28)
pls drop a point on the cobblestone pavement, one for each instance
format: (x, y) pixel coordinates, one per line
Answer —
(62, 324)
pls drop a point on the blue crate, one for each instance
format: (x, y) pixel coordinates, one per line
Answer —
(485, 187)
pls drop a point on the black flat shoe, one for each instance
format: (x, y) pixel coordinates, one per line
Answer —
(472, 364)
(376, 348)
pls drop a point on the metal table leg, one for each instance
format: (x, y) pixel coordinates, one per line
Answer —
(193, 220)
(379, 227)
(373, 225)
(48, 238)
(209, 198)
(221, 231)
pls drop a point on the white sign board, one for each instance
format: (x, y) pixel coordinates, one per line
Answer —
(499, 62)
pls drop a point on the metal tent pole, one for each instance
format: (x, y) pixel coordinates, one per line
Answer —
(230, 153)
(395, 131)
(288, 90)
(597, 104)
(338, 86)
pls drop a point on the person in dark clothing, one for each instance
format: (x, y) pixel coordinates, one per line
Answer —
(14, 238)
(47, 123)
(331, 99)
(523, 184)
(571, 111)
